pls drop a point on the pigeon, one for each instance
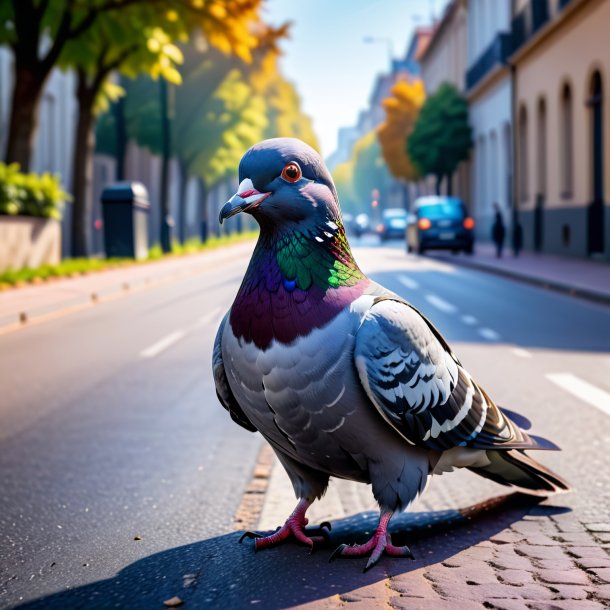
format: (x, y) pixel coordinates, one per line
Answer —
(342, 376)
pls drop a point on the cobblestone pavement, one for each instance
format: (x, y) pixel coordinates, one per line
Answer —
(510, 552)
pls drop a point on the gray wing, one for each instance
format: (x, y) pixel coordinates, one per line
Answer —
(223, 391)
(421, 389)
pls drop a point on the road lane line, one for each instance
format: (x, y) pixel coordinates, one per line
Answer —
(582, 389)
(470, 320)
(522, 353)
(407, 282)
(156, 348)
(490, 335)
(441, 304)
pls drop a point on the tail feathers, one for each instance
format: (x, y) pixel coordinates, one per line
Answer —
(516, 469)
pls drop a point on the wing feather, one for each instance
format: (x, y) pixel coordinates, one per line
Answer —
(419, 386)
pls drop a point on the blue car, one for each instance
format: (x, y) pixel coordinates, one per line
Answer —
(440, 223)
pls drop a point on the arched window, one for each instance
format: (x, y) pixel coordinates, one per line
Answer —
(566, 129)
(541, 148)
(523, 156)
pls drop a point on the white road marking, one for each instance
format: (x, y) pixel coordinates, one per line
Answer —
(210, 316)
(470, 320)
(522, 353)
(441, 304)
(407, 282)
(156, 348)
(490, 335)
(582, 389)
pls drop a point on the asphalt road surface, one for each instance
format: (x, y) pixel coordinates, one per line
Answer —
(120, 472)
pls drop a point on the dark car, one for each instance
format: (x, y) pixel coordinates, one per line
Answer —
(393, 224)
(440, 223)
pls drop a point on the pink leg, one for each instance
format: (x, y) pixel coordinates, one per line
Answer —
(294, 526)
(379, 543)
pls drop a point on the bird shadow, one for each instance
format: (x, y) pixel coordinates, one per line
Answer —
(220, 573)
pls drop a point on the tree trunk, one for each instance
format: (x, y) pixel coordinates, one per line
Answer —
(439, 179)
(182, 203)
(203, 209)
(82, 169)
(27, 92)
(450, 184)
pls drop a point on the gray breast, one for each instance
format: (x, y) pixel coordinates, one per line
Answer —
(305, 398)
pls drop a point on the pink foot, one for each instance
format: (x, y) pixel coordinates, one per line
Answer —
(379, 543)
(294, 527)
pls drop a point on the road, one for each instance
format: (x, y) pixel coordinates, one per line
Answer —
(121, 474)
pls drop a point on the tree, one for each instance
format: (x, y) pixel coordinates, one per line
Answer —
(402, 108)
(138, 45)
(38, 30)
(442, 136)
(224, 106)
(139, 39)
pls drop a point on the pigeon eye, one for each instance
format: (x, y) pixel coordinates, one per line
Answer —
(292, 172)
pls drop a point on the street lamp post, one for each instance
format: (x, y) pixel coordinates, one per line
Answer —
(166, 115)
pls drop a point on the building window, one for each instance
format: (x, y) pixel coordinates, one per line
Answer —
(523, 156)
(508, 164)
(566, 150)
(541, 149)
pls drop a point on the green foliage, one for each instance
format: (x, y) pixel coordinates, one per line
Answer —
(30, 194)
(442, 136)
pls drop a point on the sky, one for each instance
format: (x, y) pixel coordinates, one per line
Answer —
(328, 60)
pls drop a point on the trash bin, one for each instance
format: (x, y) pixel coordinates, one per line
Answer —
(126, 208)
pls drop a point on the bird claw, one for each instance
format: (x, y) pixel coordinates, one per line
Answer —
(251, 535)
(336, 553)
(376, 546)
(289, 529)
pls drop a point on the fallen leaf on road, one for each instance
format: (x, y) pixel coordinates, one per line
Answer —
(137, 537)
(174, 602)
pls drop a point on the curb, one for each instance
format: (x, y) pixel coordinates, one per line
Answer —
(21, 318)
(541, 282)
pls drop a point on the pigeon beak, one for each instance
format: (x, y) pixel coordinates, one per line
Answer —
(246, 199)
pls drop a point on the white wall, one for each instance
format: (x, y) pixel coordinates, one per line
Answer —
(485, 19)
(489, 115)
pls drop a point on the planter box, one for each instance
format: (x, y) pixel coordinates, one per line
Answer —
(29, 242)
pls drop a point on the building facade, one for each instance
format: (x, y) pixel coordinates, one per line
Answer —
(445, 61)
(489, 93)
(561, 59)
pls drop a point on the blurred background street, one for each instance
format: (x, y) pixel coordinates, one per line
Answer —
(469, 141)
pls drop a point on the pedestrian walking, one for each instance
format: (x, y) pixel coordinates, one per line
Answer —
(498, 231)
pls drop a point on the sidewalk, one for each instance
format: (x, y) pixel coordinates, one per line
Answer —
(578, 277)
(38, 302)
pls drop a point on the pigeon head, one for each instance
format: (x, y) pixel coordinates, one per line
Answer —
(283, 181)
